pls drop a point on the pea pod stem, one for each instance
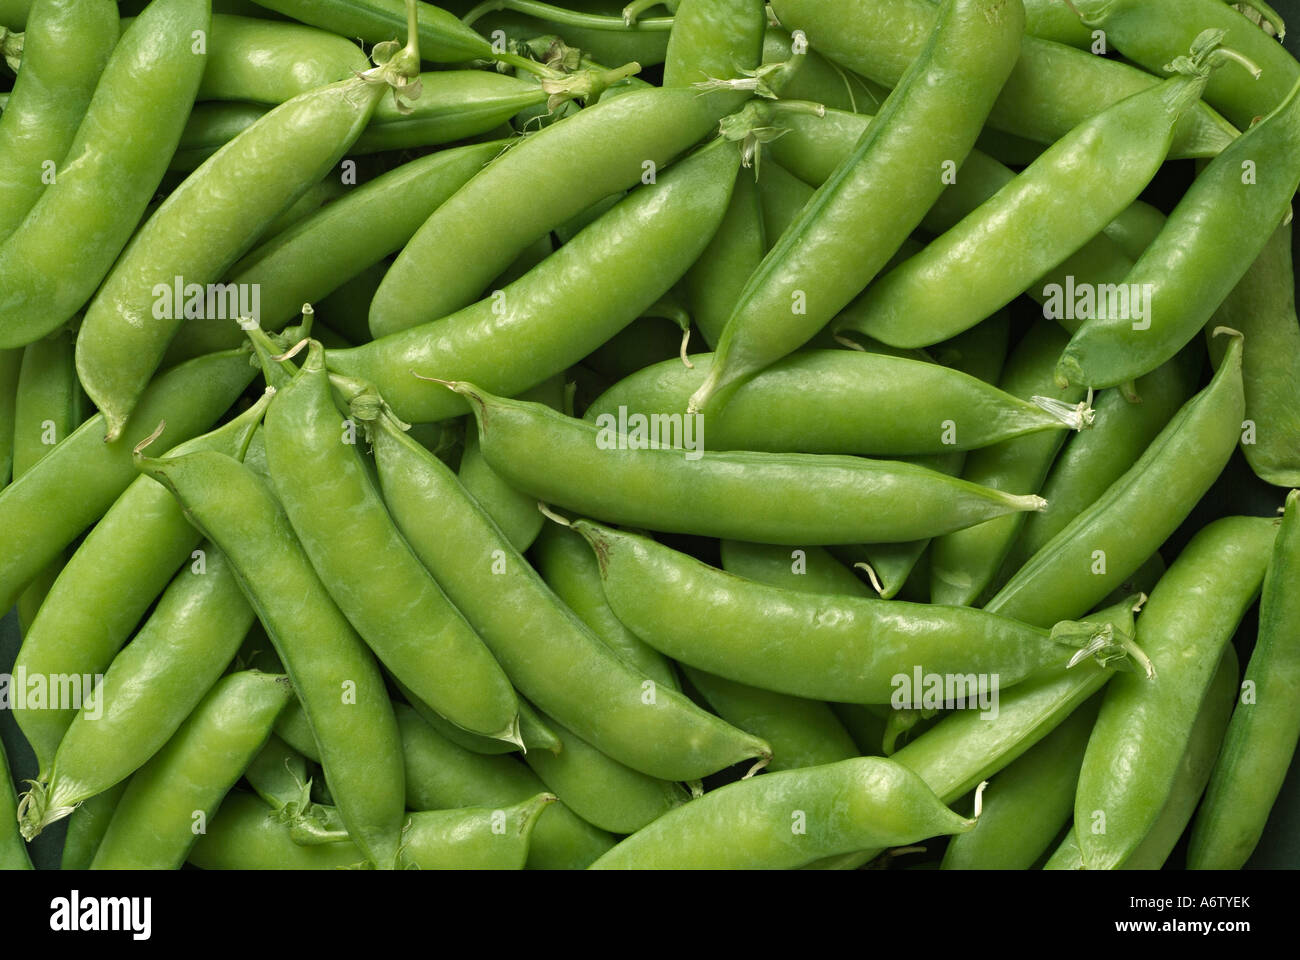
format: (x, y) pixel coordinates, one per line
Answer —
(569, 18)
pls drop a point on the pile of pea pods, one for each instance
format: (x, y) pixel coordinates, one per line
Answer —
(710, 434)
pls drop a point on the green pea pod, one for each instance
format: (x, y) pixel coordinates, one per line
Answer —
(714, 40)
(1219, 227)
(455, 105)
(1109, 540)
(149, 689)
(66, 46)
(121, 567)
(184, 783)
(1051, 89)
(933, 409)
(1144, 726)
(1262, 736)
(820, 81)
(439, 774)
(1096, 458)
(782, 820)
(1027, 803)
(108, 175)
(533, 732)
(86, 828)
(964, 564)
(278, 774)
(14, 13)
(783, 197)
(888, 181)
(536, 327)
(445, 267)
(1058, 22)
(713, 284)
(212, 218)
(377, 581)
(48, 406)
(551, 656)
(566, 565)
(1203, 746)
(265, 61)
(13, 851)
(512, 511)
(333, 673)
(813, 146)
(647, 48)
(989, 258)
(603, 791)
(1151, 34)
(796, 499)
(809, 569)
(245, 835)
(1262, 307)
(81, 477)
(823, 647)
(803, 733)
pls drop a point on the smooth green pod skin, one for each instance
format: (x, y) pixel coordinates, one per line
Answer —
(455, 105)
(795, 499)
(445, 267)
(108, 175)
(813, 146)
(64, 52)
(713, 284)
(783, 197)
(203, 227)
(14, 13)
(889, 180)
(824, 647)
(714, 40)
(602, 791)
(310, 260)
(1055, 21)
(567, 566)
(645, 47)
(752, 824)
(1137, 512)
(121, 567)
(1262, 736)
(1186, 273)
(277, 773)
(1094, 459)
(1051, 89)
(82, 476)
(623, 263)
(440, 775)
(1262, 307)
(964, 564)
(1056, 205)
(1194, 770)
(245, 835)
(151, 827)
(357, 737)
(785, 408)
(265, 61)
(1028, 802)
(818, 80)
(809, 569)
(534, 733)
(803, 733)
(1151, 34)
(515, 513)
(13, 851)
(150, 688)
(47, 407)
(552, 657)
(10, 364)
(376, 580)
(1144, 725)
(1135, 228)
(86, 828)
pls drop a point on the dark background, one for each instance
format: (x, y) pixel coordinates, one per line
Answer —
(1237, 491)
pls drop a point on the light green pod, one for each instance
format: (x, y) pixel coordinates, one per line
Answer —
(782, 820)
(182, 786)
